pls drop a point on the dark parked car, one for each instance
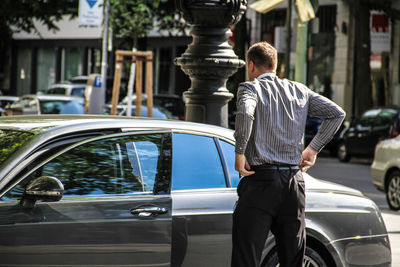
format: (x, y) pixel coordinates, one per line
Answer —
(116, 191)
(364, 133)
(312, 126)
(46, 104)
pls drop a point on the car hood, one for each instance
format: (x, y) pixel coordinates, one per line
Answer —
(318, 185)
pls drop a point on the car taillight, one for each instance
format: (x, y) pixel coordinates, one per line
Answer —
(394, 134)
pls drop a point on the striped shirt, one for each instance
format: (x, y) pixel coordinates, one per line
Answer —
(271, 118)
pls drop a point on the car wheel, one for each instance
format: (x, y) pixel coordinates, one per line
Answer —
(311, 259)
(393, 190)
(342, 153)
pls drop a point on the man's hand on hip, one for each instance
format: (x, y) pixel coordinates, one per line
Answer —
(242, 166)
(308, 158)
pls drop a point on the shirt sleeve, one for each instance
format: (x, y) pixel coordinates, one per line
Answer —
(246, 105)
(332, 117)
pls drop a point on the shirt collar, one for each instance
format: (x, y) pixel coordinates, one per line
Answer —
(267, 74)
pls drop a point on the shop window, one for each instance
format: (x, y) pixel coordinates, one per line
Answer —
(165, 62)
(321, 53)
(46, 68)
(73, 62)
(327, 18)
(24, 67)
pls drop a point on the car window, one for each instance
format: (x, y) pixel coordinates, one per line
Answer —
(229, 154)
(196, 163)
(61, 107)
(57, 91)
(80, 91)
(367, 119)
(119, 165)
(386, 117)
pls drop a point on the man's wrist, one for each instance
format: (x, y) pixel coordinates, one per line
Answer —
(312, 150)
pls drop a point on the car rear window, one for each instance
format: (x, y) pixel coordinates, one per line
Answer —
(61, 107)
(11, 141)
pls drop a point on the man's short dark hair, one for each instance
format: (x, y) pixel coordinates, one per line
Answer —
(263, 55)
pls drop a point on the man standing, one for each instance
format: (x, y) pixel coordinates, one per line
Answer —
(270, 123)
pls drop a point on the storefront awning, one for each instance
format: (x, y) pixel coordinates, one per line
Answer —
(305, 10)
(263, 6)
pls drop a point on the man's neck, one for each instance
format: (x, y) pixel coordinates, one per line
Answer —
(266, 74)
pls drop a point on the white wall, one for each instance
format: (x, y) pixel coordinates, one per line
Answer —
(68, 29)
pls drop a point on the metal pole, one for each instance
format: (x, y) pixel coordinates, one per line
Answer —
(301, 53)
(104, 56)
(288, 38)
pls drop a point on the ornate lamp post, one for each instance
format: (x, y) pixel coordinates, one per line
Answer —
(209, 60)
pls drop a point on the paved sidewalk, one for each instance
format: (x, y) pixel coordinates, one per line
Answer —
(392, 222)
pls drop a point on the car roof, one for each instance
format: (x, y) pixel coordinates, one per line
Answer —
(6, 97)
(48, 127)
(53, 97)
(49, 123)
(66, 85)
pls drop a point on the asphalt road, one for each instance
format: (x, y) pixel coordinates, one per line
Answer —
(356, 174)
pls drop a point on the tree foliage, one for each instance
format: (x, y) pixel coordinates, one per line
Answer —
(134, 19)
(20, 14)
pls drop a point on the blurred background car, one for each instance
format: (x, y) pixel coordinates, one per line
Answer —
(68, 89)
(82, 79)
(172, 103)
(385, 170)
(361, 137)
(158, 112)
(5, 101)
(46, 104)
(312, 126)
(73, 187)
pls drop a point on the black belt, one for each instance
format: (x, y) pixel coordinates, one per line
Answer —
(268, 166)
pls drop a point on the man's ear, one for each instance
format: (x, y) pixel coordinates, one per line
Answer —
(251, 66)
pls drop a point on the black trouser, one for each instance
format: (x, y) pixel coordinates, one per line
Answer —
(270, 199)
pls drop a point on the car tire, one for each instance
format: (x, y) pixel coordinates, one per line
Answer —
(393, 190)
(311, 259)
(343, 153)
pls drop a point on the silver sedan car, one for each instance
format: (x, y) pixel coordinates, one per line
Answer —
(385, 170)
(113, 191)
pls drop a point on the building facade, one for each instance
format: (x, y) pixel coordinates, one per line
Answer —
(330, 50)
(44, 58)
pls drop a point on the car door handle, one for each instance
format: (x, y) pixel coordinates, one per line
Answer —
(147, 211)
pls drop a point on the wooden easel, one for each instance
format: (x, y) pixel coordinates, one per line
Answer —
(139, 57)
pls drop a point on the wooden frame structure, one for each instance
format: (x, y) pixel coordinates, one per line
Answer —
(139, 57)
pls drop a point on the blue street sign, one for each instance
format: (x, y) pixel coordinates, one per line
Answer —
(91, 2)
(97, 81)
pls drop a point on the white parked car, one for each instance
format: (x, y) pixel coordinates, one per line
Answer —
(67, 89)
(385, 170)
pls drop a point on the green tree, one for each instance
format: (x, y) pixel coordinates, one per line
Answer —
(134, 19)
(19, 15)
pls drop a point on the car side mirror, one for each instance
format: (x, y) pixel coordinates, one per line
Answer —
(44, 188)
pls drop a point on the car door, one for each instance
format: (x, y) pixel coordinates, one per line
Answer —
(359, 136)
(116, 209)
(203, 202)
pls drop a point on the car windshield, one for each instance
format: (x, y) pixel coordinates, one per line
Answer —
(12, 140)
(61, 107)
